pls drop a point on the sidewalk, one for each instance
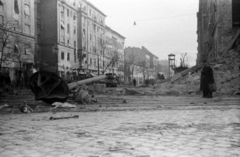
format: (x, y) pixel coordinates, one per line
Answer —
(186, 129)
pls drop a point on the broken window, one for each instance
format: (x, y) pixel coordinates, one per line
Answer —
(16, 6)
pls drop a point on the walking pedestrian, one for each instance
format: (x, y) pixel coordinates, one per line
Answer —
(134, 82)
(206, 79)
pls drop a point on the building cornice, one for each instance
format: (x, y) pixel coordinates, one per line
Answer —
(114, 32)
(95, 7)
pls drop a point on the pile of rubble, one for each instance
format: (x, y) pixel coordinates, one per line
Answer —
(226, 74)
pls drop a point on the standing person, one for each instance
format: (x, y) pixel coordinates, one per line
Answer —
(134, 82)
(206, 79)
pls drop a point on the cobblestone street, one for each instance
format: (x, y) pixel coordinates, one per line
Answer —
(180, 128)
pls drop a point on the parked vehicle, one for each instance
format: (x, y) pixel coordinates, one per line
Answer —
(110, 81)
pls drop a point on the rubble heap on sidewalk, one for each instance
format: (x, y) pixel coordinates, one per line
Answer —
(226, 73)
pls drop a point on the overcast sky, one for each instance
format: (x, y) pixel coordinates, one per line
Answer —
(162, 26)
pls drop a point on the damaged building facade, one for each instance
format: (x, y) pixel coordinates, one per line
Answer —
(61, 36)
(218, 21)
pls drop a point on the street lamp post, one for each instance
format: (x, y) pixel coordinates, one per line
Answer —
(171, 62)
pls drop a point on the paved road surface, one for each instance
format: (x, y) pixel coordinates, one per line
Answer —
(142, 127)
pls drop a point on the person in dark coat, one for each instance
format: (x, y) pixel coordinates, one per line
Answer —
(134, 82)
(206, 78)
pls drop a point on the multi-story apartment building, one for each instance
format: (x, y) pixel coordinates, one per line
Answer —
(58, 37)
(218, 21)
(91, 28)
(139, 64)
(152, 73)
(17, 28)
(113, 58)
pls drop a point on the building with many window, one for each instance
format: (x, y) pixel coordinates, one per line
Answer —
(17, 37)
(140, 64)
(58, 37)
(61, 36)
(91, 28)
(114, 53)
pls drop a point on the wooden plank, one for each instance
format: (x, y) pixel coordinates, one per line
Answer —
(231, 43)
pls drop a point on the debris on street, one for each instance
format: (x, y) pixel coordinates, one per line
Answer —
(226, 74)
(5, 106)
(57, 118)
(24, 108)
(63, 105)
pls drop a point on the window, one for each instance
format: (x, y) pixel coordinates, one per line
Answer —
(1, 20)
(90, 61)
(16, 49)
(95, 63)
(27, 13)
(68, 29)
(68, 56)
(27, 49)
(67, 12)
(75, 57)
(62, 55)
(62, 12)
(16, 6)
(62, 33)
(75, 44)
(1, 7)
(74, 30)
(16, 24)
(27, 29)
(74, 16)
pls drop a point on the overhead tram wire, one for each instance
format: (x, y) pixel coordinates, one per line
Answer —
(135, 22)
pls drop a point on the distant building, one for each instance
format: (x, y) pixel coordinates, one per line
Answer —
(152, 63)
(114, 52)
(140, 64)
(218, 21)
(17, 19)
